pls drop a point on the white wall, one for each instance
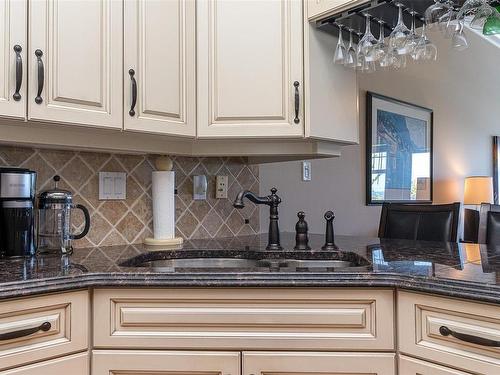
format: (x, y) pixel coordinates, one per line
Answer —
(463, 89)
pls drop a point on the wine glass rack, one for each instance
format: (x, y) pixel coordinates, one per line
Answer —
(385, 10)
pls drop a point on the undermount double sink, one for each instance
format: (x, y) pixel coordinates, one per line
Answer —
(234, 261)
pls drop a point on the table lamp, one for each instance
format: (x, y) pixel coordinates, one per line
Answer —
(477, 190)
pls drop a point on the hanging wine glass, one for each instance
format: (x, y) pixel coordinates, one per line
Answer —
(359, 55)
(380, 48)
(350, 56)
(368, 41)
(437, 10)
(412, 39)
(481, 15)
(470, 8)
(459, 40)
(399, 34)
(340, 50)
(425, 50)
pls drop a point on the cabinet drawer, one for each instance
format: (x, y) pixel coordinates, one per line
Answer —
(420, 322)
(310, 363)
(412, 366)
(62, 320)
(155, 362)
(244, 318)
(77, 364)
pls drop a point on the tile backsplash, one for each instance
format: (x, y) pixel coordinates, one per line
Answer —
(129, 221)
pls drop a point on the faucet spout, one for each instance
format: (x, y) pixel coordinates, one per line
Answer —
(272, 201)
(238, 202)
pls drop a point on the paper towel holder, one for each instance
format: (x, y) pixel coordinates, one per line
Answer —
(163, 183)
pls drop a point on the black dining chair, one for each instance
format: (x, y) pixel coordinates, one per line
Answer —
(489, 224)
(420, 222)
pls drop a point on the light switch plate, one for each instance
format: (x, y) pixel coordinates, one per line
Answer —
(221, 183)
(112, 185)
(306, 171)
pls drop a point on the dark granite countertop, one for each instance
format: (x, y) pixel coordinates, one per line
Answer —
(457, 270)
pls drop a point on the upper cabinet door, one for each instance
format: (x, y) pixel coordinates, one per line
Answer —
(76, 62)
(160, 66)
(249, 58)
(13, 29)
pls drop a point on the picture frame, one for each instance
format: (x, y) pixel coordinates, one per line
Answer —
(496, 169)
(399, 151)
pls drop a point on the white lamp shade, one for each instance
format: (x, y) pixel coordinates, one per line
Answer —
(478, 189)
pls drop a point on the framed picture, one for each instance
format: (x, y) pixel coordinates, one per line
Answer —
(398, 151)
(496, 169)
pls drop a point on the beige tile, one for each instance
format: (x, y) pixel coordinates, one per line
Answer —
(235, 165)
(95, 159)
(112, 165)
(134, 191)
(15, 156)
(187, 224)
(142, 173)
(99, 229)
(200, 209)
(246, 179)
(130, 162)
(224, 231)
(57, 158)
(114, 238)
(130, 227)
(200, 233)
(43, 170)
(212, 165)
(90, 191)
(212, 222)
(235, 222)
(143, 208)
(76, 173)
(186, 164)
(113, 211)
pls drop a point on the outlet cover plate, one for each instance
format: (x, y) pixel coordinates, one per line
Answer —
(112, 185)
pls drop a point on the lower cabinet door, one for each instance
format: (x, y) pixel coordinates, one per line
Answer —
(132, 362)
(412, 366)
(77, 364)
(269, 363)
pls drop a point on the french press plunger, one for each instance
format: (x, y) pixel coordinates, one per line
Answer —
(54, 220)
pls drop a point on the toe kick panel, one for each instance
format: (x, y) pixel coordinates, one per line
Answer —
(244, 318)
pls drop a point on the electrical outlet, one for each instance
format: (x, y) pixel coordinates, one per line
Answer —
(112, 185)
(221, 187)
(306, 171)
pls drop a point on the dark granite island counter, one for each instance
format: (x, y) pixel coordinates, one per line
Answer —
(455, 270)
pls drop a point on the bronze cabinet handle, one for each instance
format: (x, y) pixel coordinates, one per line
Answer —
(445, 331)
(297, 102)
(19, 72)
(39, 62)
(131, 72)
(25, 332)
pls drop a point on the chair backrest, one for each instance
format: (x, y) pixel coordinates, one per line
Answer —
(420, 222)
(489, 224)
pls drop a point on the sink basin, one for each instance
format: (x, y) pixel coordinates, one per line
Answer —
(171, 264)
(248, 261)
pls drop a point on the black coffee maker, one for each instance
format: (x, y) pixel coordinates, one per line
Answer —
(17, 218)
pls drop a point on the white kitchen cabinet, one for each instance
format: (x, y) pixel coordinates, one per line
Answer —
(320, 8)
(13, 38)
(75, 55)
(160, 66)
(268, 363)
(250, 69)
(105, 362)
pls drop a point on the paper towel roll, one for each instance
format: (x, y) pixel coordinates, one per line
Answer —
(163, 205)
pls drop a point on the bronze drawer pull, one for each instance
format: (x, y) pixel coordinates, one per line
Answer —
(445, 331)
(25, 332)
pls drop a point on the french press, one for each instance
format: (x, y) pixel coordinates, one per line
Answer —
(54, 220)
